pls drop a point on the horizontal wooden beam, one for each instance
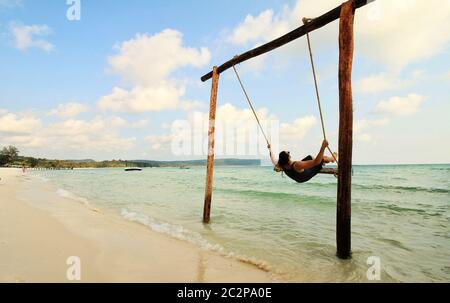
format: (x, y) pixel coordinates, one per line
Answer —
(289, 37)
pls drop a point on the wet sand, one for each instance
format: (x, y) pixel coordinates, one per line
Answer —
(40, 230)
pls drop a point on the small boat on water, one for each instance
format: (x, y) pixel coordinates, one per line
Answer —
(133, 169)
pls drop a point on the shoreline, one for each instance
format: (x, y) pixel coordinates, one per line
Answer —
(40, 230)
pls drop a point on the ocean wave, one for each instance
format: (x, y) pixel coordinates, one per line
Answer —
(42, 178)
(402, 188)
(396, 243)
(68, 195)
(175, 231)
(399, 209)
(440, 168)
(181, 233)
(268, 194)
(252, 192)
(399, 179)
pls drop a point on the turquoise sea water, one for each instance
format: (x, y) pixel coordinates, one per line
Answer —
(400, 214)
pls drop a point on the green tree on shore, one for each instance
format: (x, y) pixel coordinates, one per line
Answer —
(8, 155)
(32, 162)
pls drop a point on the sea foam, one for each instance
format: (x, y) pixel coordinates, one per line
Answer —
(175, 231)
(181, 233)
(85, 202)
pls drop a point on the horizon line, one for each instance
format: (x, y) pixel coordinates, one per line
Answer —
(243, 159)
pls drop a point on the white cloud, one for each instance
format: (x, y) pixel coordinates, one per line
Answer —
(252, 28)
(24, 141)
(73, 127)
(379, 83)
(69, 110)
(165, 125)
(160, 142)
(396, 33)
(387, 82)
(280, 134)
(364, 138)
(99, 134)
(363, 127)
(269, 25)
(364, 124)
(119, 122)
(233, 123)
(257, 30)
(25, 36)
(234, 127)
(402, 32)
(191, 105)
(264, 27)
(298, 129)
(157, 146)
(147, 63)
(237, 133)
(13, 124)
(146, 59)
(139, 124)
(446, 76)
(400, 106)
(229, 112)
(159, 139)
(142, 99)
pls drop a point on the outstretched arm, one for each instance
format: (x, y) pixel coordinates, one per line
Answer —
(272, 157)
(302, 165)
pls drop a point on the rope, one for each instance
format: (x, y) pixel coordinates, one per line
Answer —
(317, 91)
(317, 94)
(251, 105)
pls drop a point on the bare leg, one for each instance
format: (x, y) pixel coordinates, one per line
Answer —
(330, 159)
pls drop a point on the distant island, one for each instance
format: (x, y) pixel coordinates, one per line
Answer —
(9, 157)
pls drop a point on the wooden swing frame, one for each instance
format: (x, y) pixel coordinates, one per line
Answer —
(345, 13)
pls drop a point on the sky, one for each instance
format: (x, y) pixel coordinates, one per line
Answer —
(121, 79)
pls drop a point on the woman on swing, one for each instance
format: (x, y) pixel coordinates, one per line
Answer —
(304, 170)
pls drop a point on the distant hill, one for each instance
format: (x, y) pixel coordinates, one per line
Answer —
(218, 162)
(81, 161)
(9, 156)
(89, 163)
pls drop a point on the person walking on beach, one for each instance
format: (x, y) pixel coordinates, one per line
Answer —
(304, 170)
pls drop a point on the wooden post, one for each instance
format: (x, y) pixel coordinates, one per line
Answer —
(343, 222)
(210, 164)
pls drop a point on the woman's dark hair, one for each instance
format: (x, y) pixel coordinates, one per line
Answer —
(283, 159)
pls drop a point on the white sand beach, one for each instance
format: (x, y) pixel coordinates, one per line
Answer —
(40, 230)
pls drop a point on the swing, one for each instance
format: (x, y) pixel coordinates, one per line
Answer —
(346, 14)
(329, 171)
